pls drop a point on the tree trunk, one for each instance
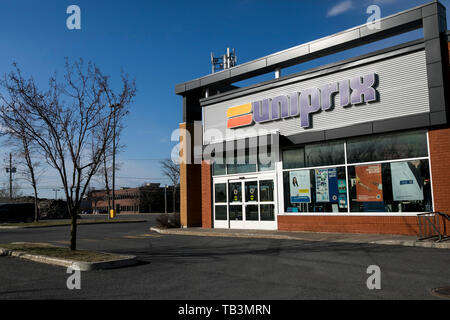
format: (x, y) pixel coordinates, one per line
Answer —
(73, 230)
(36, 205)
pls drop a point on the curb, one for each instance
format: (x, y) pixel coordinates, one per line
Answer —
(67, 225)
(76, 265)
(249, 235)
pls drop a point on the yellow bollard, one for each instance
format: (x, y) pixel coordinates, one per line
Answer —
(112, 214)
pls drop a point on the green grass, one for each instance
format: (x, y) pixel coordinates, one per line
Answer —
(60, 252)
(49, 223)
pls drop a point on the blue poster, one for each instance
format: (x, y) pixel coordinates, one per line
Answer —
(333, 185)
(327, 185)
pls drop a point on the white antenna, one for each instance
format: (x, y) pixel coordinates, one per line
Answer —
(224, 62)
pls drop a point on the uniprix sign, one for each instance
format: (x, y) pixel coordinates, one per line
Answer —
(355, 91)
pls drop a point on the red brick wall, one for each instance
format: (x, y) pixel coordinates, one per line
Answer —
(360, 224)
(440, 169)
(206, 195)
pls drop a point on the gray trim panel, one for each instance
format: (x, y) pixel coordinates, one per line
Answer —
(396, 124)
(402, 22)
(318, 71)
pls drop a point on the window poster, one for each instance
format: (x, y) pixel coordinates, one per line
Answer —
(343, 201)
(369, 187)
(322, 187)
(407, 182)
(342, 186)
(333, 185)
(327, 185)
(300, 186)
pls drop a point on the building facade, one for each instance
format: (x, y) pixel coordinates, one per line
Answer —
(151, 198)
(359, 145)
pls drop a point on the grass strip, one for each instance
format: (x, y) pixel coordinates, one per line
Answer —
(65, 223)
(60, 252)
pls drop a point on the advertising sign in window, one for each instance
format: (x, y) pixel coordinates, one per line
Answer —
(369, 186)
(327, 185)
(407, 181)
(300, 186)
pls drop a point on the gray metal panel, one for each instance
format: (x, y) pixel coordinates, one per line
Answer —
(438, 118)
(288, 55)
(307, 137)
(425, 15)
(410, 122)
(350, 131)
(335, 40)
(403, 88)
(372, 57)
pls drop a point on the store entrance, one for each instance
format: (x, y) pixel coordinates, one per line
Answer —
(250, 203)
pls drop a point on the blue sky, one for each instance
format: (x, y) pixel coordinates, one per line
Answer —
(162, 43)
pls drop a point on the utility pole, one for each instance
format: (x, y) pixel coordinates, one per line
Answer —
(56, 193)
(10, 176)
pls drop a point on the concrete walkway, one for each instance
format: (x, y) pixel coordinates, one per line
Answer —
(397, 240)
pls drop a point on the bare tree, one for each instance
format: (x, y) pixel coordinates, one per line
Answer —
(104, 174)
(70, 123)
(32, 169)
(172, 171)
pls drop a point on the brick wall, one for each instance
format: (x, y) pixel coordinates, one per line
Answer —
(190, 181)
(206, 195)
(360, 224)
(440, 169)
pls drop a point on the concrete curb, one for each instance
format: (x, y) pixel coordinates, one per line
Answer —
(67, 225)
(76, 265)
(250, 235)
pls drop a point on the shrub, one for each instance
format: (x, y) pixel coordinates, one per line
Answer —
(169, 220)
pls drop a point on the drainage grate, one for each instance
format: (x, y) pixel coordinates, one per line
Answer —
(441, 292)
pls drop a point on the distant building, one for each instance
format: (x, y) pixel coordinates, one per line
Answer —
(144, 199)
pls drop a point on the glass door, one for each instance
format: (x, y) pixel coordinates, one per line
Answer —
(246, 203)
(236, 217)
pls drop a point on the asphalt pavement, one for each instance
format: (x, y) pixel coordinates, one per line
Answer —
(204, 268)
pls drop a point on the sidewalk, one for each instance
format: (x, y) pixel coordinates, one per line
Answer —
(380, 239)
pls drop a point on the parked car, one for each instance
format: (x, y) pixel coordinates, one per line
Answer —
(16, 212)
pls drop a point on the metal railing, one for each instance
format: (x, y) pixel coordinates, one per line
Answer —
(430, 226)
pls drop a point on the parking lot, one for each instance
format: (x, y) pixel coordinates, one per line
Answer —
(186, 267)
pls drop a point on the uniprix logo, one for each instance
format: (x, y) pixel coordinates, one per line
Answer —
(240, 116)
(355, 91)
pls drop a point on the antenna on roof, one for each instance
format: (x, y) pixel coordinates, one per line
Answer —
(224, 62)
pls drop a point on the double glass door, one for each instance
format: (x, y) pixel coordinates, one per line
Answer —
(245, 203)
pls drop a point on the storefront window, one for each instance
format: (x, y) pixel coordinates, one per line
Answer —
(219, 169)
(315, 190)
(241, 164)
(294, 158)
(390, 187)
(324, 154)
(387, 147)
(266, 166)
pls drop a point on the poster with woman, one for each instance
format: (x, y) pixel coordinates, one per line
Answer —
(300, 186)
(369, 185)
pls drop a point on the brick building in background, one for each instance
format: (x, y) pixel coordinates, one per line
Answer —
(360, 145)
(146, 199)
